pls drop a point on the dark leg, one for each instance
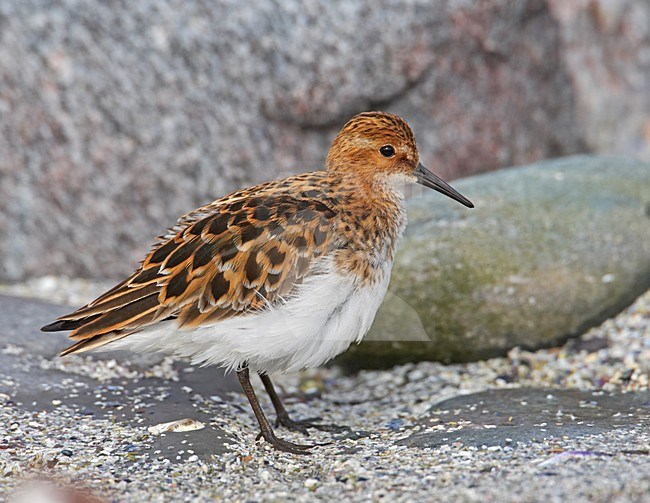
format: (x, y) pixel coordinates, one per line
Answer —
(283, 416)
(265, 426)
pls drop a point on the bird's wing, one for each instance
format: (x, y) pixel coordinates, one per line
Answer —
(246, 254)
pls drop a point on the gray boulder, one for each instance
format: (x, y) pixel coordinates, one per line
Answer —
(550, 250)
(117, 117)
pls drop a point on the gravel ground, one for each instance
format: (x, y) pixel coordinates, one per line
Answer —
(98, 458)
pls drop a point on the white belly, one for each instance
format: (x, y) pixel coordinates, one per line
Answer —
(328, 312)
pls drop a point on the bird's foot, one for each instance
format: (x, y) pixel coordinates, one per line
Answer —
(284, 445)
(303, 425)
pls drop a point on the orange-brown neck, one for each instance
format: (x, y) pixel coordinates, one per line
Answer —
(372, 215)
(371, 229)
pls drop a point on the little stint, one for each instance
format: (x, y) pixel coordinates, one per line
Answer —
(277, 277)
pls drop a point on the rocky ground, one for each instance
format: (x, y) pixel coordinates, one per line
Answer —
(570, 423)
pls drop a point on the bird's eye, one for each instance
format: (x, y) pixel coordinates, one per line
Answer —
(387, 151)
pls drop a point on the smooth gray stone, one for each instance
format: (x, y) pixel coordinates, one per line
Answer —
(32, 387)
(550, 250)
(516, 417)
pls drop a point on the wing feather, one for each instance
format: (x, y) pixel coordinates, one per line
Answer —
(234, 256)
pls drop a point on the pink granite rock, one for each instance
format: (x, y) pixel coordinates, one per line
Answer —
(117, 117)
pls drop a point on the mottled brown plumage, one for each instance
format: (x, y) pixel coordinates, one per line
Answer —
(238, 254)
(276, 277)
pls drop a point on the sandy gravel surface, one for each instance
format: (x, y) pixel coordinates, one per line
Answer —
(107, 457)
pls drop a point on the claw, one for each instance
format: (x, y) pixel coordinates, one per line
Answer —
(285, 445)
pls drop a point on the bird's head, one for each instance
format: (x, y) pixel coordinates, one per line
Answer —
(380, 147)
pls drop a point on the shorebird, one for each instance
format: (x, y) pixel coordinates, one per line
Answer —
(277, 277)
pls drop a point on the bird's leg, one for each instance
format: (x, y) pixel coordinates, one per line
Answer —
(286, 421)
(266, 429)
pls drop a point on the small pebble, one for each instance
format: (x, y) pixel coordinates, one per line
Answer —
(311, 484)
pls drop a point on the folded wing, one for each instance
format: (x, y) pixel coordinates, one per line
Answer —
(230, 258)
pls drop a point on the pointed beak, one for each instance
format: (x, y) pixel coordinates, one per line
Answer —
(428, 179)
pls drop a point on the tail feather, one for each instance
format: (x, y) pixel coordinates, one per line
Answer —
(93, 342)
(119, 300)
(64, 324)
(110, 292)
(131, 315)
(109, 318)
